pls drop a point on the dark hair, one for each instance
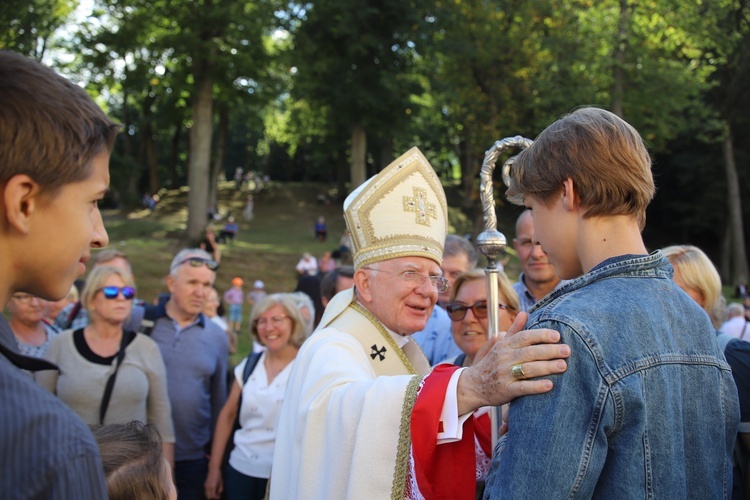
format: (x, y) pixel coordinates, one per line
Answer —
(50, 128)
(457, 245)
(329, 281)
(133, 461)
(310, 285)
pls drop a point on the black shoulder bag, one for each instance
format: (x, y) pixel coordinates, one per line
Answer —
(124, 341)
(252, 362)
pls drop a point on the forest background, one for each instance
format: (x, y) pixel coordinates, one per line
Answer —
(326, 93)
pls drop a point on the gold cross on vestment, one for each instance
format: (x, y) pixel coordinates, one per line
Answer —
(420, 206)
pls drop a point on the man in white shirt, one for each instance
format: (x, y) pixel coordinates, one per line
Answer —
(736, 324)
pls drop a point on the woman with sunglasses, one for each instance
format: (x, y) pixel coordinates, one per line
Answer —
(468, 313)
(108, 375)
(277, 323)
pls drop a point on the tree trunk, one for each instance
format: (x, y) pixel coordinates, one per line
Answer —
(127, 143)
(342, 171)
(149, 146)
(618, 87)
(470, 167)
(219, 154)
(175, 156)
(725, 267)
(386, 152)
(739, 258)
(359, 152)
(200, 148)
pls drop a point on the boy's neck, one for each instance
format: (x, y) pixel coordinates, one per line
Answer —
(601, 238)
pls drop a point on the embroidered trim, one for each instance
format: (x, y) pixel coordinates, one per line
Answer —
(387, 336)
(403, 451)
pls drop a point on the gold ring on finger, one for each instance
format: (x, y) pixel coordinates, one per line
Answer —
(517, 371)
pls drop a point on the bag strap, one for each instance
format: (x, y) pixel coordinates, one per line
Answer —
(460, 359)
(252, 362)
(124, 341)
(72, 315)
(743, 330)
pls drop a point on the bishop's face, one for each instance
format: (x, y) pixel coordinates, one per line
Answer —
(401, 303)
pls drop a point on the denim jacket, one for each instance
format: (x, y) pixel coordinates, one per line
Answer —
(647, 408)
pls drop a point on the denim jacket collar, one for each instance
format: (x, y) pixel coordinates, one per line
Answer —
(653, 264)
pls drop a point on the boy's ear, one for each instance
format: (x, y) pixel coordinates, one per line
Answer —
(20, 200)
(569, 195)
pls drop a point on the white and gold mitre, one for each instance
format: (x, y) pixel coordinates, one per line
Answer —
(400, 212)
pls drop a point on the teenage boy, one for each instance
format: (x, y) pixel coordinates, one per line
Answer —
(55, 144)
(647, 407)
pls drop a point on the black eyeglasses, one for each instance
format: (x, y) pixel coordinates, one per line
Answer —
(457, 312)
(198, 262)
(111, 292)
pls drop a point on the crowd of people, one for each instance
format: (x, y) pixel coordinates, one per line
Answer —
(615, 371)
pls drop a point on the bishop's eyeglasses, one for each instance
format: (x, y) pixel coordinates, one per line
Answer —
(413, 278)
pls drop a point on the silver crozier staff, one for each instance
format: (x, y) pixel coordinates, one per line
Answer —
(492, 242)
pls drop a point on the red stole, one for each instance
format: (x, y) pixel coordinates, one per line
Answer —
(483, 430)
(448, 470)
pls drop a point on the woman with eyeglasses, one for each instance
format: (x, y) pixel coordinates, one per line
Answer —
(468, 313)
(26, 319)
(277, 323)
(108, 375)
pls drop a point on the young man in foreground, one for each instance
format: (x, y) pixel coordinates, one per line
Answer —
(55, 144)
(647, 407)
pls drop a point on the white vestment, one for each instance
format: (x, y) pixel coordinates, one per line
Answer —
(344, 430)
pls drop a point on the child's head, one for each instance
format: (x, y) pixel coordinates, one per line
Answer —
(50, 129)
(134, 462)
(55, 145)
(603, 155)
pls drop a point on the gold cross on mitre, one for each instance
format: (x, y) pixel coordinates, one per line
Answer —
(420, 206)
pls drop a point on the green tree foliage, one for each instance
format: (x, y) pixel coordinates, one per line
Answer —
(333, 90)
(353, 62)
(29, 25)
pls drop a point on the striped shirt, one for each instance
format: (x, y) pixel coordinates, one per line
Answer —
(46, 451)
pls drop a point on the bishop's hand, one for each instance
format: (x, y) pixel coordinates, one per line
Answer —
(511, 366)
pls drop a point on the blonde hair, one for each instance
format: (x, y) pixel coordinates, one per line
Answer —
(97, 278)
(503, 282)
(287, 302)
(72, 294)
(697, 271)
(603, 155)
